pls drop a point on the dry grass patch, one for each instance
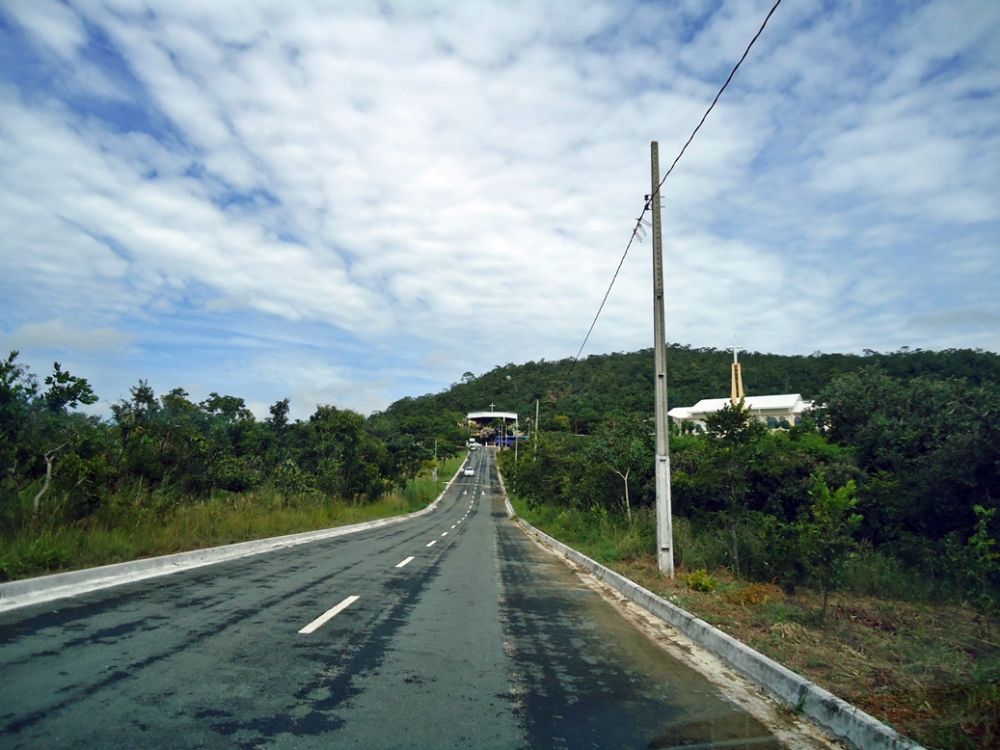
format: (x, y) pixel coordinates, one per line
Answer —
(932, 672)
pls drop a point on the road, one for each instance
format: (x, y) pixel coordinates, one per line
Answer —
(452, 630)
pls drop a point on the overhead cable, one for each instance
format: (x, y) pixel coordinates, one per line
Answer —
(638, 231)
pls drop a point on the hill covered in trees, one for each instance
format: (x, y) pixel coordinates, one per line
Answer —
(576, 395)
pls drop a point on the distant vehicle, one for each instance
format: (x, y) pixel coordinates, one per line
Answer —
(473, 446)
(468, 472)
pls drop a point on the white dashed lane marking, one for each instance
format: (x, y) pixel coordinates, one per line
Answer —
(407, 561)
(328, 615)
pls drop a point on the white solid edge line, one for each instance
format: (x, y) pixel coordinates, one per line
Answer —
(407, 561)
(431, 543)
(328, 615)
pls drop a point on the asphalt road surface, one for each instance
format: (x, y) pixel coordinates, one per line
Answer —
(452, 630)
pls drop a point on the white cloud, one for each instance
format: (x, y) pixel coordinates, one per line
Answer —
(311, 382)
(459, 176)
(58, 334)
(50, 22)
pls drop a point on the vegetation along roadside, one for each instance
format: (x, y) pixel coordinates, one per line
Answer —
(858, 548)
(165, 474)
(224, 518)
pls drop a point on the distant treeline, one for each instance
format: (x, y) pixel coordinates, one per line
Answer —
(575, 396)
(59, 466)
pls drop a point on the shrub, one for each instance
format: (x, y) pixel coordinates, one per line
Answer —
(827, 537)
(701, 580)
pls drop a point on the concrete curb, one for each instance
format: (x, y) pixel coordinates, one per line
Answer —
(23, 593)
(833, 715)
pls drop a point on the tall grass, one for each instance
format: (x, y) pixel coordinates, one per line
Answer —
(132, 527)
(610, 538)
(605, 537)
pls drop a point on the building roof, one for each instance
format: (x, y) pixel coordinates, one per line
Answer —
(473, 416)
(784, 402)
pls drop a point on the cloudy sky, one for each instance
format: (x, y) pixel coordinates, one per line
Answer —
(349, 203)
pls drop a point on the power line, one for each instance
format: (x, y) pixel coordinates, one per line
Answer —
(638, 229)
(608, 292)
(716, 99)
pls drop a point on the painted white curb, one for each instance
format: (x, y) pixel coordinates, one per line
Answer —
(22, 593)
(833, 715)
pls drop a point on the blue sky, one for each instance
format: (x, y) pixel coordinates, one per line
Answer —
(350, 203)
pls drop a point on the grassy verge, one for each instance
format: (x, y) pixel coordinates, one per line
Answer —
(147, 531)
(930, 671)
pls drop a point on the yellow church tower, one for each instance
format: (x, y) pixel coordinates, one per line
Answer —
(736, 392)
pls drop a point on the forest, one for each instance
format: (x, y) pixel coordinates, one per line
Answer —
(208, 471)
(905, 448)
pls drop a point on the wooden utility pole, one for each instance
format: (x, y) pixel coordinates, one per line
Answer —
(664, 522)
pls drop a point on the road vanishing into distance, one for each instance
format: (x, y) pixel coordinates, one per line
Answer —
(450, 630)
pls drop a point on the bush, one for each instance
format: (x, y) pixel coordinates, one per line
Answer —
(701, 580)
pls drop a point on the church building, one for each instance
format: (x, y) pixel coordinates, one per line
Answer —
(782, 410)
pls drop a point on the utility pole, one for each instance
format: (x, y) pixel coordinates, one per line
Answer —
(434, 471)
(664, 522)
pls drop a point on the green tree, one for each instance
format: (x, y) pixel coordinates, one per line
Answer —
(623, 444)
(37, 430)
(977, 564)
(66, 391)
(133, 417)
(734, 435)
(279, 416)
(347, 461)
(18, 391)
(930, 448)
(827, 536)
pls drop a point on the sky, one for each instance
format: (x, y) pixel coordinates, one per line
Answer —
(349, 203)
